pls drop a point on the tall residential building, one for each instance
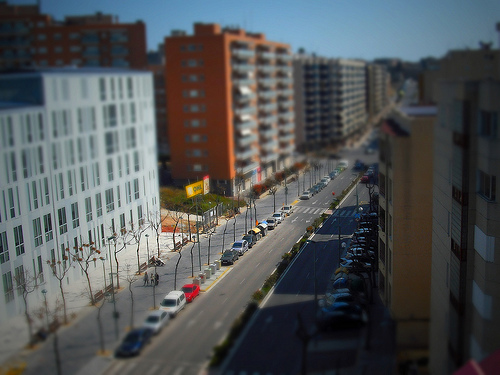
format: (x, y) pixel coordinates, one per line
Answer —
(405, 215)
(29, 38)
(377, 85)
(465, 289)
(330, 100)
(78, 163)
(230, 106)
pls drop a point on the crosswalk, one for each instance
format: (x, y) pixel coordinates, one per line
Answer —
(348, 212)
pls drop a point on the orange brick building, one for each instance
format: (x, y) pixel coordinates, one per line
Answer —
(230, 106)
(28, 38)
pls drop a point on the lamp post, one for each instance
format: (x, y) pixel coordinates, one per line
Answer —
(147, 244)
(104, 272)
(115, 313)
(44, 292)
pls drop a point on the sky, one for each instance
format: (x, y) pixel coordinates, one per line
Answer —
(365, 29)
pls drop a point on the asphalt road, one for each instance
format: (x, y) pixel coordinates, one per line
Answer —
(186, 343)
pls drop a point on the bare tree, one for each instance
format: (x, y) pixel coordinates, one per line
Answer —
(177, 265)
(176, 217)
(25, 285)
(86, 255)
(136, 235)
(131, 278)
(120, 242)
(273, 191)
(224, 233)
(155, 221)
(59, 270)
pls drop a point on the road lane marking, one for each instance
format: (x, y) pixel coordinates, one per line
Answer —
(178, 371)
(257, 265)
(242, 281)
(190, 323)
(153, 369)
(217, 325)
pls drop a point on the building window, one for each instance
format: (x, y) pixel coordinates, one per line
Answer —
(136, 188)
(110, 116)
(139, 216)
(37, 232)
(130, 88)
(47, 224)
(12, 208)
(122, 221)
(35, 194)
(88, 209)
(110, 200)
(382, 251)
(102, 88)
(111, 140)
(4, 248)
(487, 185)
(19, 240)
(136, 161)
(20, 279)
(63, 226)
(8, 288)
(132, 113)
(98, 204)
(488, 124)
(75, 215)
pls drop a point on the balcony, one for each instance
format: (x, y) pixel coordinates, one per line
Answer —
(267, 107)
(285, 93)
(243, 68)
(269, 146)
(286, 127)
(266, 82)
(265, 55)
(283, 57)
(285, 70)
(286, 138)
(267, 119)
(268, 133)
(242, 53)
(287, 150)
(266, 69)
(267, 94)
(284, 117)
(244, 155)
(243, 81)
(285, 106)
(269, 157)
(248, 110)
(245, 125)
(285, 80)
(246, 140)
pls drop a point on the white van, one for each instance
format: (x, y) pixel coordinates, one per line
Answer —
(173, 302)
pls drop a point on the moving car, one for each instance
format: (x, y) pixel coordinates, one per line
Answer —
(229, 257)
(134, 342)
(173, 302)
(251, 239)
(306, 195)
(191, 291)
(156, 320)
(288, 210)
(240, 246)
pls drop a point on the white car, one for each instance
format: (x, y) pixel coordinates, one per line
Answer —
(278, 216)
(271, 223)
(156, 320)
(173, 302)
(240, 246)
(326, 178)
(288, 210)
(306, 195)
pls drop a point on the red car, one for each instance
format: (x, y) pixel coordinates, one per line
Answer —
(191, 291)
(365, 178)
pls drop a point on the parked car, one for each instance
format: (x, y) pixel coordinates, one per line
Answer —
(155, 320)
(240, 246)
(134, 342)
(191, 291)
(271, 223)
(263, 228)
(341, 315)
(306, 195)
(257, 232)
(229, 257)
(279, 216)
(327, 178)
(173, 302)
(251, 239)
(288, 210)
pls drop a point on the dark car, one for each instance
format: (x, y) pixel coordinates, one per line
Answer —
(251, 239)
(341, 315)
(134, 342)
(229, 257)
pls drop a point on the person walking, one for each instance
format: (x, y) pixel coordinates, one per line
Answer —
(146, 278)
(157, 279)
(152, 279)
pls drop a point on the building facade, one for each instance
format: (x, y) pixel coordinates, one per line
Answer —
(29, 38)
(465, 297)
(78, 152)
(330, 100)
(377, 85)
(230, 106)
(405, 219)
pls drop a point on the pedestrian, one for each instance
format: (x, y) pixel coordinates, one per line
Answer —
(152, 279)
(146, 278)
(157, 279)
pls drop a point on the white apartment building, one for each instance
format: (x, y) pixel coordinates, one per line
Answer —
(78, 163)
(330, 100)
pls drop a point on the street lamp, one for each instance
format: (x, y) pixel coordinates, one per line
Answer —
(115, 313)
(103, 272)
(44, 292)
(147, 244)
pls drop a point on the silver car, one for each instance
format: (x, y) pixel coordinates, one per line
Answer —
(156, 320)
